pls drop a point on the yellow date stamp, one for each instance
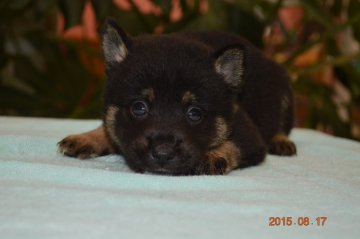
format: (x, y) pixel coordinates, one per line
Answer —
(297, 221)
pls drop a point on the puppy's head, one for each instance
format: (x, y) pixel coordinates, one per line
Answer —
(168, 99)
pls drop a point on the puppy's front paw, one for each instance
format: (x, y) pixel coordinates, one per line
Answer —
(280, 144)
(87, 145)
(79, 147)
(221, 160)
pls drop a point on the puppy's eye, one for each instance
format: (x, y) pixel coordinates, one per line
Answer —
(139, 109)
(194, 114)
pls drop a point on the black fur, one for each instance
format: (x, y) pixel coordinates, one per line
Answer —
(253, 98)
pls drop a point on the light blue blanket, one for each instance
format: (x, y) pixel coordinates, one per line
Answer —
(46, 195)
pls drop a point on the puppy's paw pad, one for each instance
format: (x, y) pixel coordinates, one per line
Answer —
(78, 146)
(281, 145)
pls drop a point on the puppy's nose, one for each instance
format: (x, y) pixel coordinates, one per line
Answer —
(163, 153)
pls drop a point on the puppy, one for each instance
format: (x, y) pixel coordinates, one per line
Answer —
(188, 104)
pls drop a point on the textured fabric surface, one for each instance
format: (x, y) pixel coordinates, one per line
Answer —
(46, 195)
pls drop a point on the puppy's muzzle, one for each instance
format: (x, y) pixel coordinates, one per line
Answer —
(163, 153)
(163, 148)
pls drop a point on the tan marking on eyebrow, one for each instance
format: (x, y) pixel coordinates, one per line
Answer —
(188, 98)
(222, 131)
(235, 107)
(149, 94)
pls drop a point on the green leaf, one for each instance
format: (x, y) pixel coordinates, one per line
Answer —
(134, 22)
(336, 7)
(317, 11)
(102, 8)
(354, 6)
(213, 19)
(165, 6)
(183, 5)
(190, 13)
(3, 56)
(245, 23)
(349, 76)
(17, 4)
(42, 8)
(72, 11)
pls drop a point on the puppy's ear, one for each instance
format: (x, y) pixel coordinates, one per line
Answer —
(230, 64)
(114, 41)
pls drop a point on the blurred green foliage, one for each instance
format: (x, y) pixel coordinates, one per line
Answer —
(43, 74)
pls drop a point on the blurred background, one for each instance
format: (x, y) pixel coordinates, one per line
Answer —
(51, 64)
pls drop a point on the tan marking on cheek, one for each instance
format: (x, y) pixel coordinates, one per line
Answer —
(110, 124)
(222, 131)
(223, 159)
(188, 98)
(285, 102)
(235, 107)
(149, 94)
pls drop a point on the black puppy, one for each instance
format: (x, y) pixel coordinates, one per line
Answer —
(188, 103)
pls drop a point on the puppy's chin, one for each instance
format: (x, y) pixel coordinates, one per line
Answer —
(187, 167)
(181, 166)
(169, 171)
